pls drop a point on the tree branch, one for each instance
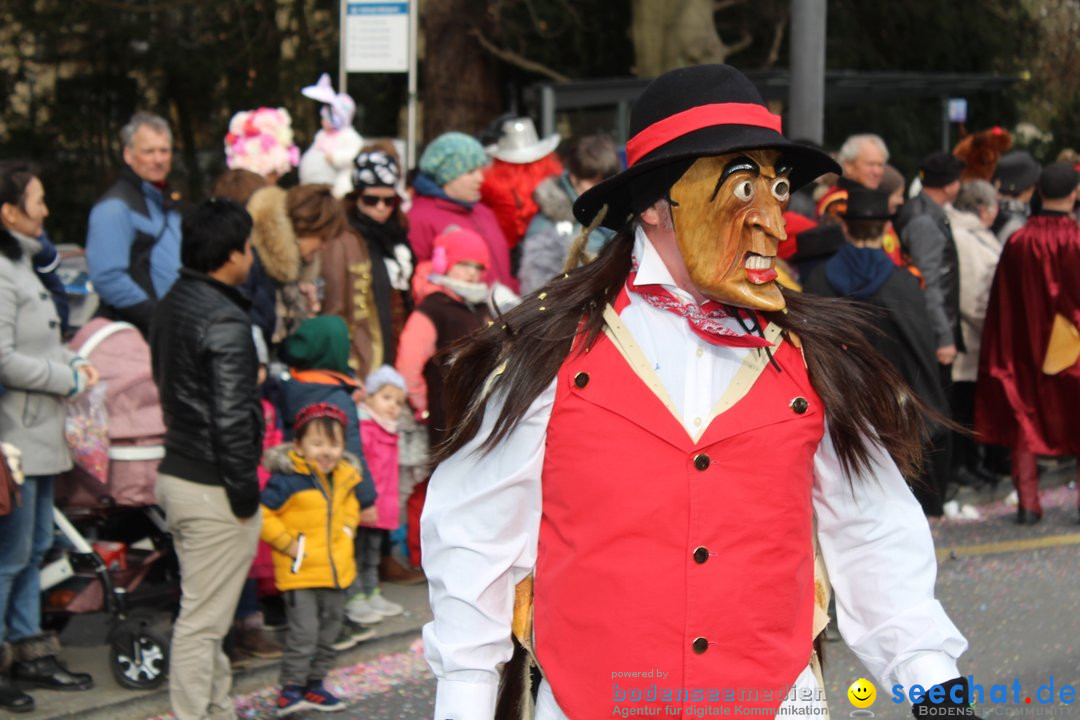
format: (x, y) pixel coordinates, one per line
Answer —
(720, 5)
(777, 40)
(146, 9)
(740, 44)
(513, 58)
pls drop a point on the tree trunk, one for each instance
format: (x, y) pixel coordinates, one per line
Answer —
(458, 88)
(668, 34)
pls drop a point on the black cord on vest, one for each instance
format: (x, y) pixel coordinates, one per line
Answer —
(753, 327)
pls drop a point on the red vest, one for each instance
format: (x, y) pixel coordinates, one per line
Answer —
(674, 573)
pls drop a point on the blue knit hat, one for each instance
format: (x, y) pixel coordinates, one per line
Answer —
(385, 375)
(451, 155)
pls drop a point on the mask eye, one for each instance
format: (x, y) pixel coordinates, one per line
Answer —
(781, 189)
(744, 190)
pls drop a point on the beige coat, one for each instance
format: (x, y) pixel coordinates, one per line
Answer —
(978, 250)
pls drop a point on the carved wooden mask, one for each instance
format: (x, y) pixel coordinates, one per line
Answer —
(728, 216)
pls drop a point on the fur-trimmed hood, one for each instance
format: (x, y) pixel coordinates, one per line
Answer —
(277, 460)
(553, 200)
(273, 236)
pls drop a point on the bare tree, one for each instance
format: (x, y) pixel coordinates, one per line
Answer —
(670, 34)
(459, 87)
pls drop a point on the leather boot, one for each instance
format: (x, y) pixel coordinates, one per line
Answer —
(36, 664)
(1027, 517)
(1026, 480)
(256, 642)
(392, 571)
(12, 698)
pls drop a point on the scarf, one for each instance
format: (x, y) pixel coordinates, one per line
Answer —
(705, 320)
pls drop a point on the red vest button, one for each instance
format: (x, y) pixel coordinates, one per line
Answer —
(701, 461)
(799, 405)
(581, 379)
(700, 645)
(701, 554)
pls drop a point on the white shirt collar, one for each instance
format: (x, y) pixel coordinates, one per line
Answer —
(651, 267)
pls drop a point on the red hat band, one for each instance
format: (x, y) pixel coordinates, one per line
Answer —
(675, 126)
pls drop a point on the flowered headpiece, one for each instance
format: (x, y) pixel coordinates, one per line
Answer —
(261, 141)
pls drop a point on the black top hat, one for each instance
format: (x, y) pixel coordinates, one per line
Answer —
(940, 168)
(685, 114)
(866, 204)
(1017, 171)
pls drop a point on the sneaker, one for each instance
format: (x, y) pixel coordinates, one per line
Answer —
(321, 699)
(381, 605)
(290, 700)
(351, 635)
(360, 611)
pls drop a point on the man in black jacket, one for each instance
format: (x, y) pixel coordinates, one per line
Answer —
(205, 369)
(904, 335)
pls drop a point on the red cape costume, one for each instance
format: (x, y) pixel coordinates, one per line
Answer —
(1016, 403)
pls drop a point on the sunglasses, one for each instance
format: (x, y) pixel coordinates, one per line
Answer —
(374, 200)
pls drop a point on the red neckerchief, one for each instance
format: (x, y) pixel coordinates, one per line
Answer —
(704, 320)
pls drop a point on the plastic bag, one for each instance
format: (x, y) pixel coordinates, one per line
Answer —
(86, 429)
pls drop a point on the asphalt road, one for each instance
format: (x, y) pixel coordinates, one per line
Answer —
(1013, 591)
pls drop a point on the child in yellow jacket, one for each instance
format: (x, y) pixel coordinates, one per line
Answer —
(310, 513)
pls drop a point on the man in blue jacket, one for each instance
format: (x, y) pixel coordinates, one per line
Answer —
(133, 241)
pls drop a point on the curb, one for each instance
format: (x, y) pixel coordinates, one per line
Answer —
(247, 678)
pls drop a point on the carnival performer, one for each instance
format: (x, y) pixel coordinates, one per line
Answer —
(1029, 365)
(639, 466)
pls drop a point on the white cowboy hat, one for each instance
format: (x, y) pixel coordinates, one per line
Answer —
(519, 143)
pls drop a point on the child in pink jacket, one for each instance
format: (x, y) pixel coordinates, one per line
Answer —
(379, 414)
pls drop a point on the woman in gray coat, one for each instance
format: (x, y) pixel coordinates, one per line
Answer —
(37, 372)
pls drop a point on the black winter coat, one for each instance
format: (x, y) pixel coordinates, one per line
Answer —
(205, 368)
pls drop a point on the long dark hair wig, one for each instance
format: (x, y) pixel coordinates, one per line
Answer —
(864, 397)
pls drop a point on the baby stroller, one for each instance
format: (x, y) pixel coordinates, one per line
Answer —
(115, 536)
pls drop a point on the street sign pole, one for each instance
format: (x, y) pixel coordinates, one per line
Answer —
(380, 36)
(343, 72)
(410, 139)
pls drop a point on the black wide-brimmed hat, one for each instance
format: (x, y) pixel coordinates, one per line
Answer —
(685, 114)
(866, 204)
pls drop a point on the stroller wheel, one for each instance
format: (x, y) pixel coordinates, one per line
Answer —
(139, 657)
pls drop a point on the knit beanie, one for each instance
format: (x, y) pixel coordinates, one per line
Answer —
(320, 343)
(385, 375)
(455, 245)
(451, 155)
(375, 169)
(1058, 180)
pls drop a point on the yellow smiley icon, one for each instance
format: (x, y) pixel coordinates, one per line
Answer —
(862, 693)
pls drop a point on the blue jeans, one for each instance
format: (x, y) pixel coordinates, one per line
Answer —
(25, 535)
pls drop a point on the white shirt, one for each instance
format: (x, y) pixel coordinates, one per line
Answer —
(481, 521)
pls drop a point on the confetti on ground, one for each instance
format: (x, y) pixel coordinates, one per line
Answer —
(351, 683)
